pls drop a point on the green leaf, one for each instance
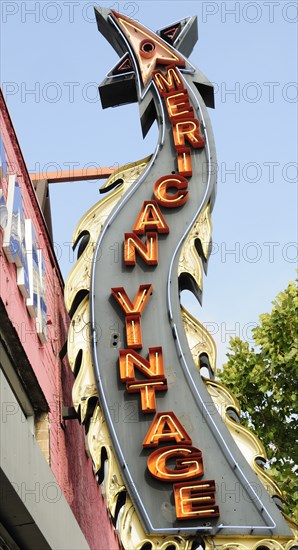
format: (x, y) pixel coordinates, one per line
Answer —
(264, 382)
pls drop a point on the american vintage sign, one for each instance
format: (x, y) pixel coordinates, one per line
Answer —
(180, 465)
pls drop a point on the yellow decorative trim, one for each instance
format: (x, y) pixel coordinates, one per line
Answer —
(199, 339)
(79, 342)
(98, 439)
(248, 443)
(190, 261)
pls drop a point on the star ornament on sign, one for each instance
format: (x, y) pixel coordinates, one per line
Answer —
(141, 52)
(148, 49)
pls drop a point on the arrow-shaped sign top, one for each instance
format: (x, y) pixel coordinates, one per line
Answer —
(141, 51)
(149, 50)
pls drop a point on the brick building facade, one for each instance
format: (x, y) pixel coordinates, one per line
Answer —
(49, 495)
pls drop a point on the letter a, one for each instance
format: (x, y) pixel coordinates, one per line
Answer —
(166, 427)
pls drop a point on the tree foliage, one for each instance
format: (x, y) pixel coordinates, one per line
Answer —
(264, 380)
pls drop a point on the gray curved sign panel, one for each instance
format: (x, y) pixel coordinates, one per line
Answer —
(244, 505)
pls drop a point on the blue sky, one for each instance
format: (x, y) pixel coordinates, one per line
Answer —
(51, 62)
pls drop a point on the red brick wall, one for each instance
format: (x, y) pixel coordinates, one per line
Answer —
(68, 460)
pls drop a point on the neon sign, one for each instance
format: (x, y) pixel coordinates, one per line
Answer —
(176, 456)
